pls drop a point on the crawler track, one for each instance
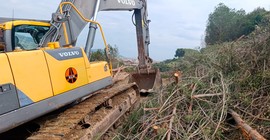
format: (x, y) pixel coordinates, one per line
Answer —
(92, 117)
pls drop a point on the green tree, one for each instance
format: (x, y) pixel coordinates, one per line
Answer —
(162, 66)
(113, 51)
(100, 55)
(223, 24)
(179, 53)
(116, 62)
(256, 17)
(226, 24)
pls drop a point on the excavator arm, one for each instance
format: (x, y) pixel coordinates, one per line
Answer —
(71, 23)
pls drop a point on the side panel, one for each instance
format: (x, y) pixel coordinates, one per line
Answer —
(8, 95)
(96, 70)
(27, 113)
(67, 69)
(31, 75)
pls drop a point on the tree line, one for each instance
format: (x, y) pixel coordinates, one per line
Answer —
(227, 24)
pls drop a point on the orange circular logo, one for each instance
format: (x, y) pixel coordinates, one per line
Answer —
(71, 75)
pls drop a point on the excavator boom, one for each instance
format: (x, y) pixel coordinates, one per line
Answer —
(70, 24)
(74, 24)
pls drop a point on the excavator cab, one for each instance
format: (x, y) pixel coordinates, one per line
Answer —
(21, 34)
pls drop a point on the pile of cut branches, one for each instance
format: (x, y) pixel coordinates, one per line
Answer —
(224, 94)
(192, 109)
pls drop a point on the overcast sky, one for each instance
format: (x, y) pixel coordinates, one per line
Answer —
(174, 23)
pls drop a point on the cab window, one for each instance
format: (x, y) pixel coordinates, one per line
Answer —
(27, 37)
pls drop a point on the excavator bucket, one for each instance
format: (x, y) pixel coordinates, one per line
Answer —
(147, 81)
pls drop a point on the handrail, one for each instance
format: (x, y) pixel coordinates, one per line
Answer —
(87, 20)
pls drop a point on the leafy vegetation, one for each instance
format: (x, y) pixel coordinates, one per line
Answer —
(226, 24)
(100, 55)
(179, 53)
(177, 63)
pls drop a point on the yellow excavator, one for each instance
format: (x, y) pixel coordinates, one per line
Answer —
(42, 70)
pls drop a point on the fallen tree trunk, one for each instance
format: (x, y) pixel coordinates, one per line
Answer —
(246, 129)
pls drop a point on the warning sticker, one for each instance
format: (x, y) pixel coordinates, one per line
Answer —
(71, 75)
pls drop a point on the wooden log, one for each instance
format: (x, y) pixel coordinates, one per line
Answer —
(171, 123)
(248, 131)
(177, 76)
(118, 70)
